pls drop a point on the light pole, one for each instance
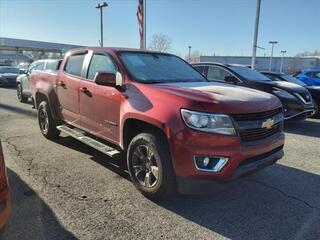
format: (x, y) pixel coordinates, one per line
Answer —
(189, 54)
(270, 63)
(100, 6)
(255, 38)
(281, 65)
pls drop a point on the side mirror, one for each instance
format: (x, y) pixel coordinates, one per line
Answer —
(230, 79)
(105, 79)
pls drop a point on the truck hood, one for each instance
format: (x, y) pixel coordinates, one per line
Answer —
(224, 98)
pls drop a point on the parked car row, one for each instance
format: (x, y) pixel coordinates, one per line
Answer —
(296, 100)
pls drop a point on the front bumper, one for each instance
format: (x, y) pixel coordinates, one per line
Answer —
(5, 206)
(243, 159)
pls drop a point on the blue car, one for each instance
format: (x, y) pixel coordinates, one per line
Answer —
(310, 77)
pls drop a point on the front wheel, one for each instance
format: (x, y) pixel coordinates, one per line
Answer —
(150, 166)
(21, 98)
(46, 122)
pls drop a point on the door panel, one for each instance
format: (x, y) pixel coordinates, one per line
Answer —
(68, 95)
(68, 88)
(100, 105)
(100, 109)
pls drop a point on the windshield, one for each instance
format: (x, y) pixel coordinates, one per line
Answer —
(9, 70)
(249, 74)
(155, 67)
(289, 78)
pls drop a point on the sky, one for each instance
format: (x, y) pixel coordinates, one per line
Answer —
(220, 27)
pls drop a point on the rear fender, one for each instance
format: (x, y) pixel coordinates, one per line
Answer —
(49, 92)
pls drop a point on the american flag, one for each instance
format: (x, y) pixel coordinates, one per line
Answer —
(140, 21)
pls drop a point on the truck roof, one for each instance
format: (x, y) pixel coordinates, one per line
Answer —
(115, 49)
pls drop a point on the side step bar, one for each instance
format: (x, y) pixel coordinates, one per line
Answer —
(77, 134)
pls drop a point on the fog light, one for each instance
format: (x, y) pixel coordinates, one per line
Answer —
(209, 163)
(206, 161)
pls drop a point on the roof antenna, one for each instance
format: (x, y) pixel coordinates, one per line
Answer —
(100, 43)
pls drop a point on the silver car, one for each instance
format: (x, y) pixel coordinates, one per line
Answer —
(23, 85)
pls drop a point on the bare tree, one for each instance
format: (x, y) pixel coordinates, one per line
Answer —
(160, 42)
(308, 54)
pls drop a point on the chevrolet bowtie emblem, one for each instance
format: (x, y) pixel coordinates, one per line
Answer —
(268, 124)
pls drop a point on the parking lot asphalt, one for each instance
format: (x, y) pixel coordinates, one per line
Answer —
(65, 190)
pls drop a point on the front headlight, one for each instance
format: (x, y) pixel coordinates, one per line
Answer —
(283, 94)
(208, 122)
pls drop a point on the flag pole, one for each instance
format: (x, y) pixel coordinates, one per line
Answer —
(144, 17)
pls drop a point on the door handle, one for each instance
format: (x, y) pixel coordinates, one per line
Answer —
(61, 83)
(84, 90)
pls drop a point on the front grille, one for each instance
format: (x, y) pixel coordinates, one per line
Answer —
(249, 126)
(256, 116)
(256, 134)
(306, 97)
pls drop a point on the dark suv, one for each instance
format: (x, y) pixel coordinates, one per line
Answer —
(296, 100)
(314, 90)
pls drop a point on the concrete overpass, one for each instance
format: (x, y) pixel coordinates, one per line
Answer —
(17, 46)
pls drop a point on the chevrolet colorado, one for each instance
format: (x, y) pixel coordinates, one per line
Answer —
(174, 126)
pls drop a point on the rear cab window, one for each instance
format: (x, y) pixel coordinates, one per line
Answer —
(74, 64)
(53, 65)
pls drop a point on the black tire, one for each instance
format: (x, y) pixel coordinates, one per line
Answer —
(21, 98)
(47, 124)
(165, 183)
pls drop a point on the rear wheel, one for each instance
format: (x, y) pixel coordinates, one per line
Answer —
(21, 98)
(46, 122)
(150, 166)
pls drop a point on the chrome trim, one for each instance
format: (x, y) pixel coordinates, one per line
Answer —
(297, 114)
(220, 164)
(302, 99)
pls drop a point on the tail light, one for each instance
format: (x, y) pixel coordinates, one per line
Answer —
(3, 174)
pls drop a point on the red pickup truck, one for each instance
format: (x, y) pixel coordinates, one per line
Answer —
(174, 126)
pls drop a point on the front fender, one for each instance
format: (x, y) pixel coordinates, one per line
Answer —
(144, 118)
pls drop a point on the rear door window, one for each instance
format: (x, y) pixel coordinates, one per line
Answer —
(52, 65)
(74, 64)
(40, 66)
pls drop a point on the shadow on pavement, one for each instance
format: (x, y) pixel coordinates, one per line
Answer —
(309, 127)
(279, 202)
(18, 110)
(117, 165)
(31, 218)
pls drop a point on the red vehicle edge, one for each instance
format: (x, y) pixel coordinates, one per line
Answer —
(5, 197)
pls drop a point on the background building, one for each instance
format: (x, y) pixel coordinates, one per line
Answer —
(290, 64)
(14, 51)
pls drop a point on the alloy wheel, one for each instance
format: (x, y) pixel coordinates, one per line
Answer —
(145, 166)
(43, 119)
